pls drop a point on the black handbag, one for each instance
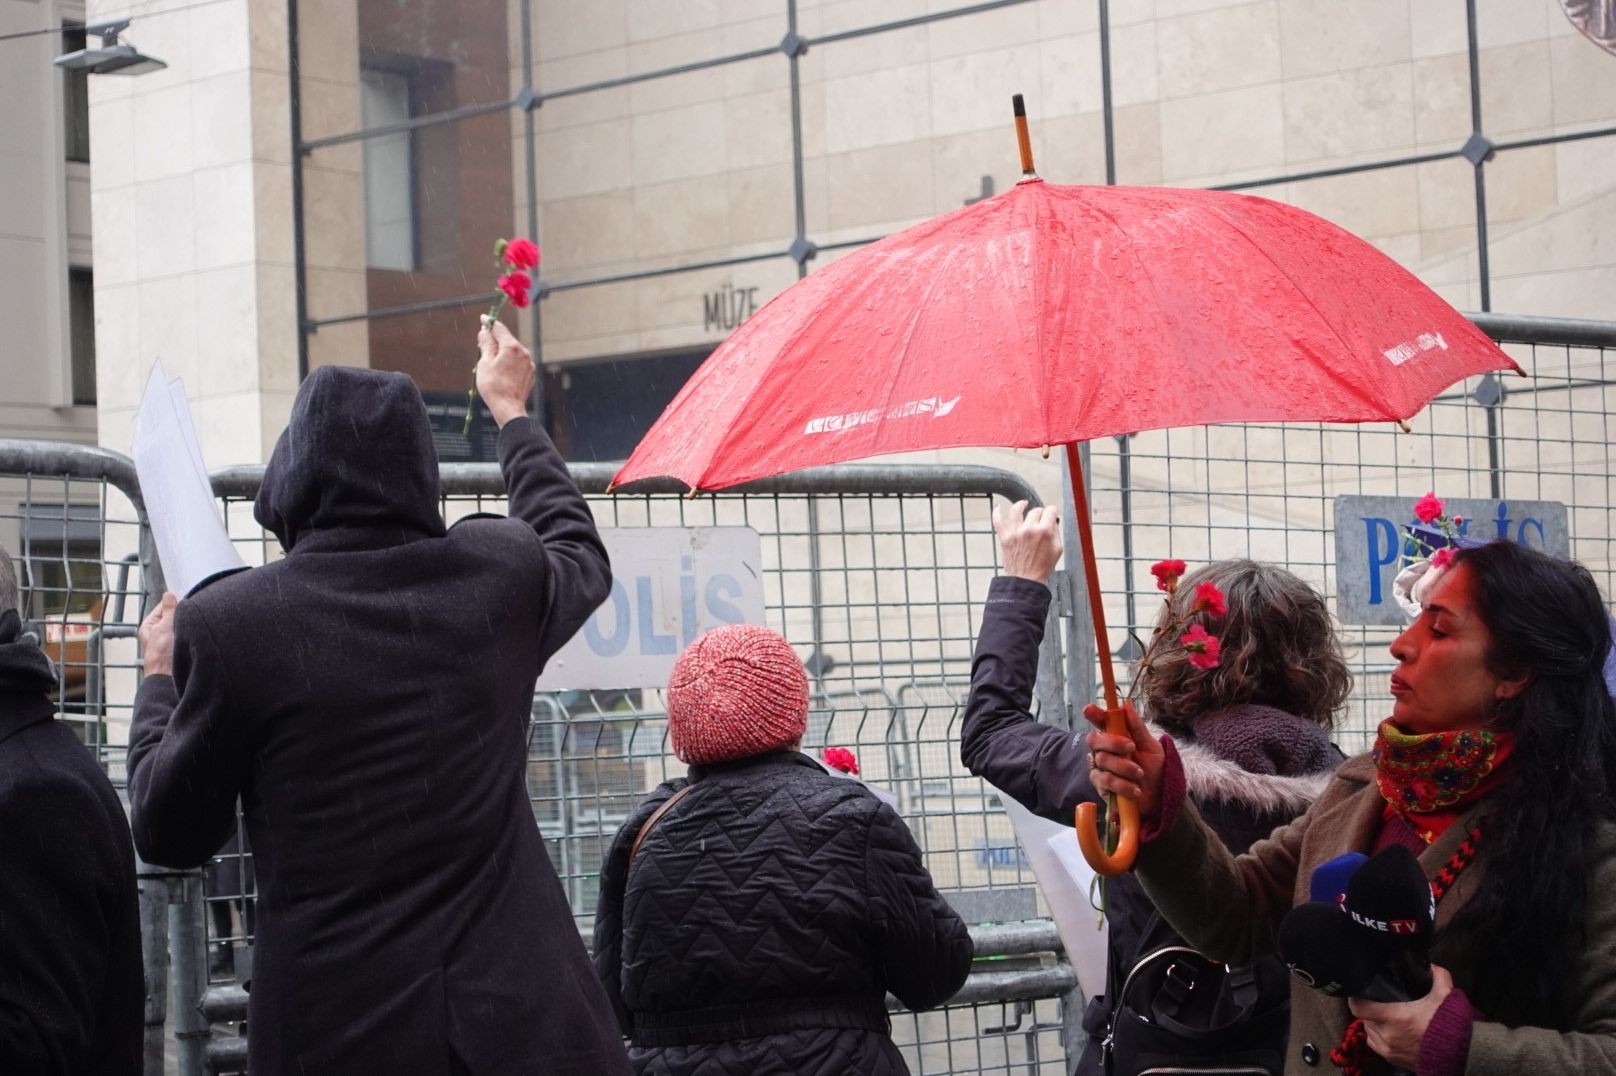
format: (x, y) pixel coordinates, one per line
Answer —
(1180, 1012)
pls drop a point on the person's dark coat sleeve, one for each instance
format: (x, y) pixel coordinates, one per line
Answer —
(188, 753)
(1045, 768)
(543, 496)
(608, 947)
(922, 946)
(55, 937)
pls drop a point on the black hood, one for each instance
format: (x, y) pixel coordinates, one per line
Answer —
(24, 668)
(356, 458)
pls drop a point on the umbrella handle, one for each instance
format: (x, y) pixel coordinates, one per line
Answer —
(1105, 864)
(1090, 834)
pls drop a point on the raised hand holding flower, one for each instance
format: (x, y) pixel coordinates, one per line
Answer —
(512, 260)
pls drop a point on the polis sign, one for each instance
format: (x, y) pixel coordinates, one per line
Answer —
(1370, 544)
(669, 584)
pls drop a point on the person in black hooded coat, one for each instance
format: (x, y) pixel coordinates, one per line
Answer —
(367, 698)
(72, 993)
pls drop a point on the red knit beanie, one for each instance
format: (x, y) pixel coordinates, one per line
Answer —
(738, 690)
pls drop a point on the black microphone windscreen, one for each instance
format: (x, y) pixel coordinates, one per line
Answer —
(1327, 951)
(1390, 895)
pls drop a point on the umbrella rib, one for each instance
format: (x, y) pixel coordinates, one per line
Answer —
(932, 284)
(1038, 325)
(745, 416)
(1297, 288)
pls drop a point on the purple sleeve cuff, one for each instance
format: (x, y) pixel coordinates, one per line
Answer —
(1446, 1045)
(1173, 791)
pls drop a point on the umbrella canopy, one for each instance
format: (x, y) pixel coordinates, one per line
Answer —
(1052, 314)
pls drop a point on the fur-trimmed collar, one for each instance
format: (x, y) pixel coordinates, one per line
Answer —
(1259, 756)
(1209, 776)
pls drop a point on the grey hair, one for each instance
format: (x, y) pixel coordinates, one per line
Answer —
(10, 597)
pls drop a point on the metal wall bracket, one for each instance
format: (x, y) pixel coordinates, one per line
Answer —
(1477, 148)
(801, 250)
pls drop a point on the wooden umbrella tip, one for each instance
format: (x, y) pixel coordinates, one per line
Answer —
(1404, 426)
(1046, 452)
(693, 494)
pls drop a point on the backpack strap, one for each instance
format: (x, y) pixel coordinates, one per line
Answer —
(656, 816)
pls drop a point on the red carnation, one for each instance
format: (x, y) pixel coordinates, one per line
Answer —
(522, 254)
(515, 286)
(1441, 558)
(1202, 648)
(1209, 599)
(1428, 509)
(1167, 573)
(840, 758)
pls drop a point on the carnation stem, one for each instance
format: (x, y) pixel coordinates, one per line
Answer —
(471, 394)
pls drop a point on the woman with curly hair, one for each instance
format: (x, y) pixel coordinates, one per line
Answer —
(1253, 730)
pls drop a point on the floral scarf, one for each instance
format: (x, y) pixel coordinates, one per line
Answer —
(1432, 779)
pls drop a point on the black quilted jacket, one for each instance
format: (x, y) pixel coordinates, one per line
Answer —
(765, 918)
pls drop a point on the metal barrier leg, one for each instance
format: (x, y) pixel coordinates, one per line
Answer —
(153, 885)
(1073, 1003)
(189, 946)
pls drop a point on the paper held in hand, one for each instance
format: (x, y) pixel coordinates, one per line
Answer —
(192, 544)
(1062, 874)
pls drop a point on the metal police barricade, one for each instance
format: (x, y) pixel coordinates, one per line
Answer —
(877, 572)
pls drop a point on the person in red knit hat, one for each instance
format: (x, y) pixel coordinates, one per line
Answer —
(754, 915)
(737, 691)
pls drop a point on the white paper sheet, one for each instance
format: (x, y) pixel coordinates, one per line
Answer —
(1064, 876)
(192, 544)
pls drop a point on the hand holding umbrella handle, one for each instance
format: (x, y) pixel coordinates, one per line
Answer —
(1090, 838)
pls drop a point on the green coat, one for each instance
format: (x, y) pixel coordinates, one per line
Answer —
(1230, 908)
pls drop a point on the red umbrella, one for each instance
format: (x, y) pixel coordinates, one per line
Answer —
(1056, 314)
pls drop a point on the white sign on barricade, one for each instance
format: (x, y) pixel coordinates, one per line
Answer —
(669, 584)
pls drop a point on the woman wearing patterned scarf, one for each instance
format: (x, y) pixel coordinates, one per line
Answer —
(1497, 767)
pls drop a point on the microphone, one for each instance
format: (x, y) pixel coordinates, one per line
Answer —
(1329, 881)
(1372, 944)
(1389, 895)
(1328, 952)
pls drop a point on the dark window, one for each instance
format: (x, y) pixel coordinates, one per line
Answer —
(604, 408)
(81, 333)
(390, 212)
(75, 99)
